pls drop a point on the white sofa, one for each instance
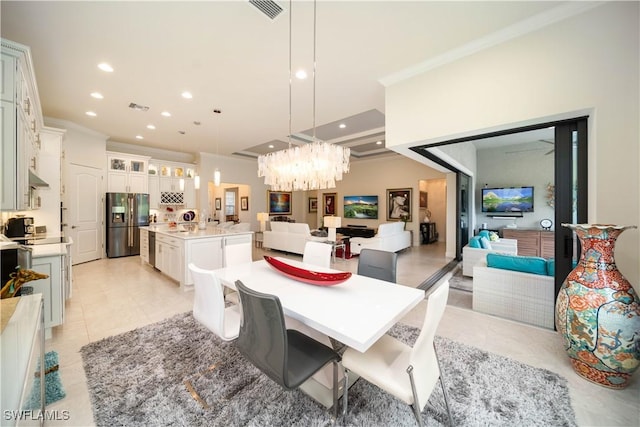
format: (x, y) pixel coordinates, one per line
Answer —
(472, 256)
(524, 297)
(391, 237)
(288, 237)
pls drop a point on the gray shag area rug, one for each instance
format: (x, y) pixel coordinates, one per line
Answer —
(137, 379)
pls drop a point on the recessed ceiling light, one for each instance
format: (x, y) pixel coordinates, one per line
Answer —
(342, 126)
(166, 114)
(378, 142)
(91, 113)
(152, 127)
(181, 132)
(197, 123)
(139, 137)
(187, 95)
(105, 67)
(97, 95)
(270, 145)
(301, 74)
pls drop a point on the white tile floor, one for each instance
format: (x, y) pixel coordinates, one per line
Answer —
(111, 296)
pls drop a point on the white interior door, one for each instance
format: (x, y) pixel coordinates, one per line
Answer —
(84, 213)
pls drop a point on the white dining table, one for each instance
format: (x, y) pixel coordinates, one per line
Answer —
(356, 312)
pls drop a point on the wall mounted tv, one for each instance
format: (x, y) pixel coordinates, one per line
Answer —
(361, 207)
(507, 199)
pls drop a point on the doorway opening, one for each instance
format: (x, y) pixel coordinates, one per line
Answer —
(561, 146)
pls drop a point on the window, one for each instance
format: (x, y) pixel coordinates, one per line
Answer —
(230, 201)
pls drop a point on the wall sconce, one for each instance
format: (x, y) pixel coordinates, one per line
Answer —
(263, 217)
(216, 177)
(196, 182)
(181, 184)
(332, 222)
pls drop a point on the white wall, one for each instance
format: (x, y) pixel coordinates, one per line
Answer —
(234, 170)
(587, 64)
(513, 166)
(371, 177)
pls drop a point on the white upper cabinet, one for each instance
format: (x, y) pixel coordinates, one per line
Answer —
(127, 173)
(21, 124)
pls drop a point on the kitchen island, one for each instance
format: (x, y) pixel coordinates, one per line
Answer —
(175, 249)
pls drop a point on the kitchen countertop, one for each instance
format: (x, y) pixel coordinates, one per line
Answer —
(196, 234)
(43, 250)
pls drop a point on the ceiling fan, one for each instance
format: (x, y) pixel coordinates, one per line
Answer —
(548, 142)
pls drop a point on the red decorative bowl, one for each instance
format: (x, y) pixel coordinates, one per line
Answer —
(312, 277)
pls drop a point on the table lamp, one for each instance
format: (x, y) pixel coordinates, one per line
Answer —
(332, 222)
(262, 217)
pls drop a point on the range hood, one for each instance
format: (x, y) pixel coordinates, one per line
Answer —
(35, 181)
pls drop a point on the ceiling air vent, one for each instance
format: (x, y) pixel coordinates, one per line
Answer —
(138, 107)
(268, 7)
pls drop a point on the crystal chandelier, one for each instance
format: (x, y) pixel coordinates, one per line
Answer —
(313, 166)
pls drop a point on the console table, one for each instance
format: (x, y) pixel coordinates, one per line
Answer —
(428, 232)
(532, 242)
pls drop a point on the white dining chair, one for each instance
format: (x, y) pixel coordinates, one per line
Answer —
(409, 373)
(235, 253)
(317, 253)
(209, 305)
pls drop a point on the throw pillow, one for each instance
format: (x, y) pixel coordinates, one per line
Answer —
(524, 264)
(484, 233)
(484, 243)
(474, 242)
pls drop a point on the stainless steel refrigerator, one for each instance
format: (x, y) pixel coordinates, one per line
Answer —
(126, 212)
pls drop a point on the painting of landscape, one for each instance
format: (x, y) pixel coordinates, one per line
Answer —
(361, 207)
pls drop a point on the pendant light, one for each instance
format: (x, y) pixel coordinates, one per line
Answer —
(216, 172)
(313, 166)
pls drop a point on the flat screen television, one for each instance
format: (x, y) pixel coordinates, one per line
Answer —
(361, 207)
(507, 199)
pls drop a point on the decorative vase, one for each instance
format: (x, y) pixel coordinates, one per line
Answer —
(598, 311)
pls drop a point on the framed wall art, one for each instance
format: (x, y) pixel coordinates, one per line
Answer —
(399, 204)
(313, 204)
(328, 204)
(244, 203)
(218, 203)
(279, 202)
(423, 199)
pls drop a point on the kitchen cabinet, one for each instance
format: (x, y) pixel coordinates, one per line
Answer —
(174, 178)
(21, 124)
(127, 173)
(51, 288)
(205, 248)
(205, 253)
(23, 348)
(154, 192)
(169, 255)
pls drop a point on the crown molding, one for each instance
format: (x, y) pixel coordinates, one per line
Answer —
(511, 32)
